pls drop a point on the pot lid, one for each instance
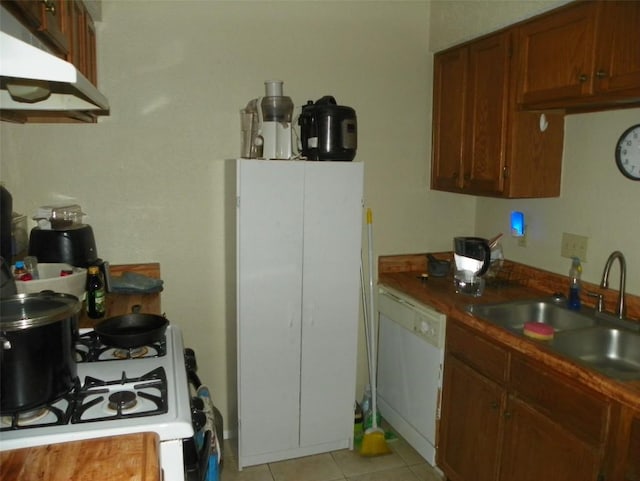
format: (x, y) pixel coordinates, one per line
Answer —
(24, 311)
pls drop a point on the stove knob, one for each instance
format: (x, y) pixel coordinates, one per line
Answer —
(197, 403)
(198, 419)
(190, 359)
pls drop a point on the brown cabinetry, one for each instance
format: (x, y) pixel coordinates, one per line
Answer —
(503, 414)
(51, 20)
(66, 29)
(83, 41)
(481, 144)
(587, 53)
(625, 450)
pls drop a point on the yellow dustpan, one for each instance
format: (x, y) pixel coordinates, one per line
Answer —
(373, 441)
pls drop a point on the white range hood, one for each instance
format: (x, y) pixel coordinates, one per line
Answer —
(33, 79)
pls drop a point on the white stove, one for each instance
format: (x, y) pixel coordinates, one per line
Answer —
(118, 396)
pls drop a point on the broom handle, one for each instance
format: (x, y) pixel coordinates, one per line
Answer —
(372, 332)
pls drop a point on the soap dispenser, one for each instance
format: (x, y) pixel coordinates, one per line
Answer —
(574, 284)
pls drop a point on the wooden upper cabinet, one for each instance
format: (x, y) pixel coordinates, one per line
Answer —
(482, 145)
(470, 114)
(56, 24)
(489, 62)
(618, 49)
(587, 53)
(51, 19)
(83, 45)
(449, 122)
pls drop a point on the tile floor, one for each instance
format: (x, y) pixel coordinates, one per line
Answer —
(403, 464)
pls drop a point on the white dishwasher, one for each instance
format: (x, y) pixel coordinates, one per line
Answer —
(410, 358)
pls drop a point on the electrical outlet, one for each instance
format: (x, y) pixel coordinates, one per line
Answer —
(574, 245)
(522, 240)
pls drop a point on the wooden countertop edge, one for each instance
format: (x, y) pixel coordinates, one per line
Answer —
(130, 457)
(627, 393)
(402, 273)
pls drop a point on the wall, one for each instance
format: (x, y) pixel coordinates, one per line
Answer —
(177, 73)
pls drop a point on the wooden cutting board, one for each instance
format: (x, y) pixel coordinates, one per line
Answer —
(132, 457)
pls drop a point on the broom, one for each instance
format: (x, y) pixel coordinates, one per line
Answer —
(373, 441)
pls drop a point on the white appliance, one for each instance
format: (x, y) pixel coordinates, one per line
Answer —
(32, 78)
(411, 357)
(161, 403)
(266, 125)
(298, 239)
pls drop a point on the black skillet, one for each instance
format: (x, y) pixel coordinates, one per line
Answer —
(132, 330)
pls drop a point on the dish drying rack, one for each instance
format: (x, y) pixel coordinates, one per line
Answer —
(502, 273)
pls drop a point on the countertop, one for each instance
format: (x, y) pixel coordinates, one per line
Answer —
(119, 304)
(131, 457)
(403, 273)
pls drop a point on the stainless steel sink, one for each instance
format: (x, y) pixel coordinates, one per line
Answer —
(613, 352)
(609, 346)
(513, 315)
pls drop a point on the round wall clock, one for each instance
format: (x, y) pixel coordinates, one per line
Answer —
(628, 152)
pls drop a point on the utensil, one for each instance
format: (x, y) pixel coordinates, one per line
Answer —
(37, 349)
(132, 330)
(494, 240)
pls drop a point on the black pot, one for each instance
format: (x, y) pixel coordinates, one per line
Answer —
(37, 349)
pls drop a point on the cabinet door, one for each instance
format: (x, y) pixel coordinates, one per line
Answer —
(488, 86)
(330, 299)
(449, 105)
(56, 24)
(269, 271)
(556, 55)
(536, 448)
(632, 462)
(618, 48)
(470, 425)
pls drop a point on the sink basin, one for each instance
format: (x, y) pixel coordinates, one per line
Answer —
(598, 341)
(513, 315)
(613, 352)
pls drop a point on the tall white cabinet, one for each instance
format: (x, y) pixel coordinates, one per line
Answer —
(298, 241)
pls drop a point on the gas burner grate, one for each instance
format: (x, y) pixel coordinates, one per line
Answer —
(90, 395)
(89, 348)
(58, 412)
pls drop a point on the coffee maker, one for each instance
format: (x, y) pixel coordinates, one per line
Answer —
(472, 257)
(266, 125)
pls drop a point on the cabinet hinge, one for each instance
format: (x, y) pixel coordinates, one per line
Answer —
(505, 171)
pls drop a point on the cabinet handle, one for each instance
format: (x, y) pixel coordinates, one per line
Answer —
(49, 6)
(495, 405)
(583, 78)
(601, 74)
(507, 414)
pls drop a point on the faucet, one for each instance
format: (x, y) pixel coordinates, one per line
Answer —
(623, 276)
